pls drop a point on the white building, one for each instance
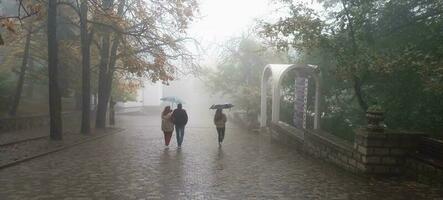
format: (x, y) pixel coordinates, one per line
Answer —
(150, 94)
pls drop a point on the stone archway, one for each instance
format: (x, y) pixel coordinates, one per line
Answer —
(277, 72)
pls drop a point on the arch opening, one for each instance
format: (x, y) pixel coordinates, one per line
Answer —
(304, 73)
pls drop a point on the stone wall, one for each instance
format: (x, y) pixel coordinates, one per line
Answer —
(32, 121)
(372, 153)
(281, 132)
(320, 145)
(385, 152)
(423, 171)
(333, 149)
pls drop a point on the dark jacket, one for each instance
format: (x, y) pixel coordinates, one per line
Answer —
(179, 117)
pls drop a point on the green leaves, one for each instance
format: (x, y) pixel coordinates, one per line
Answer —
(390, 52)
(239, 74)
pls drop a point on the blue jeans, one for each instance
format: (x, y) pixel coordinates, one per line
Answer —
(180, 133)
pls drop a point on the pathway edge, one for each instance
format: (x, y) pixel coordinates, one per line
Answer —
(10, 164)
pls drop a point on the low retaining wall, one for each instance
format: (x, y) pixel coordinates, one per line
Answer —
(371, 153)
(32, 121)
(339, 152)
(385, 153)
(319, 145)
(423, 172)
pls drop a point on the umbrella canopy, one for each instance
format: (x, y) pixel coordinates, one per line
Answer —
(221, 106)
(172, 99)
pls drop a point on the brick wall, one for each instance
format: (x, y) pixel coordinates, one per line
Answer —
(320, 145)
(372, 153)
(386, 152)
(423, 171)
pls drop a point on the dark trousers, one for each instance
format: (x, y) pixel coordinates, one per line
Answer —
(221, 134)
(180, 133)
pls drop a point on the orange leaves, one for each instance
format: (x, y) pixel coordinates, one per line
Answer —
(34, 8)
(8, 24)
(152, 36)
(155, 70)
(160, 60)
(125, 89)
(127, 85)
(28, 8)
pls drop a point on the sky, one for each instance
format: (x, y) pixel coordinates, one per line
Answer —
(221, 20)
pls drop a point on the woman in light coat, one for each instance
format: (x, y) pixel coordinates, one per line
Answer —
(220, 123)
(167, 125)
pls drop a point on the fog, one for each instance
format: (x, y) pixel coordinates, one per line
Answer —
(356, 85)
(197, 99)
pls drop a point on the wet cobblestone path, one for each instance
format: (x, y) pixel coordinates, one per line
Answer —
(134, 164)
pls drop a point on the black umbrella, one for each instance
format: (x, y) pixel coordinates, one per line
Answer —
(221, 106)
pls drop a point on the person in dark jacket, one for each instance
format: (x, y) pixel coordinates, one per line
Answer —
(179, 118)
(220, 123)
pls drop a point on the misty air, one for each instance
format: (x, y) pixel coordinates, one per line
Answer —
(211, 99)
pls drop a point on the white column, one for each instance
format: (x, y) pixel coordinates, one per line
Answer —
(275, 101)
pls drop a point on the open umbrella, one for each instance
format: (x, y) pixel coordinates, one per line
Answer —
(221, 106)
(172, 99)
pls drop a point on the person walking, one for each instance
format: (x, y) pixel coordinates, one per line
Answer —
(167, 125)
(180, 119)
(220, 123)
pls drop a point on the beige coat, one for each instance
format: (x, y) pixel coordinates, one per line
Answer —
(221, 123)
(167, 125)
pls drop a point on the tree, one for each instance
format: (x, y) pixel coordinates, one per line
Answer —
(131, 38)
(54, 91)
(144, 46)
(8, 22)
(86, 60)
(107, 63)
(24, 11)
(21, 79)
(371, 52)
(238, 75)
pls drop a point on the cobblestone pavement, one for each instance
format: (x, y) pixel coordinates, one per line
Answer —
(134, 164)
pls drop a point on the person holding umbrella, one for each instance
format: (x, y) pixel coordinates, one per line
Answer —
(220, 124)
(180, 119)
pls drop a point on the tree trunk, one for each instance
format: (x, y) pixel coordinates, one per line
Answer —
(54, 93)
(113, 55)
(112, 112)
(357, 82)
(102, 79)
(111, 68)
(21, 78)
(86, 77)
(30, 88)
(110, 59)
(78, 100)
(359, 93)
(102, 82)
